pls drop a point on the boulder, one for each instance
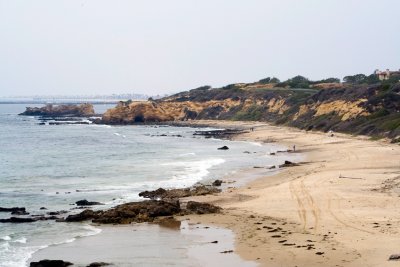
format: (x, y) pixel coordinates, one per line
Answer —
(217, 183)
(288, 164)
(201, 208)
(50, 263)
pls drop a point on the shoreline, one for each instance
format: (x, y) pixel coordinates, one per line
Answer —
(339, 209)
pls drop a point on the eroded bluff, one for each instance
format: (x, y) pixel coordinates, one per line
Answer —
(370, 110)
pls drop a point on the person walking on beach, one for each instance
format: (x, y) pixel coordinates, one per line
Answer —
(294, 148)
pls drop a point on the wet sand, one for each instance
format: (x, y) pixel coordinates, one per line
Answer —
(339, 208)
(190, 244)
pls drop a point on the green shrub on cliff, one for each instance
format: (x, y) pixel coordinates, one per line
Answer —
(253, 113)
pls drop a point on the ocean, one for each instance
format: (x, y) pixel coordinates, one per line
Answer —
(53, 166)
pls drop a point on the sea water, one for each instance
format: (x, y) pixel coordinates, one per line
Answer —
(53, 166)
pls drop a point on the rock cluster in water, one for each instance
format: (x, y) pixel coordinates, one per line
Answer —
(50, 110)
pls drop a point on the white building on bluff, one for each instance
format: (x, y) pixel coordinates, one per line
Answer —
(384, 75)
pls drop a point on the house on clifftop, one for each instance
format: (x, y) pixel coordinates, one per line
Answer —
(385, 75)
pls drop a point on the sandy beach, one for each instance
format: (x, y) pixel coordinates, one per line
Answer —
(340, 207)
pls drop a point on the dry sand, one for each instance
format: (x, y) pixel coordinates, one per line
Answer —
(340, 208)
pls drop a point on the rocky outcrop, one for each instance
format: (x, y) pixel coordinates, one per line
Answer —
(164, 194)
(18, 220)
(33, 218)
(144, 211)
(13, 210)
(50, 110)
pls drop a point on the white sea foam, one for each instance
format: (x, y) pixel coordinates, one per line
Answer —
(5, 238)
(21, 240)
(187, 154)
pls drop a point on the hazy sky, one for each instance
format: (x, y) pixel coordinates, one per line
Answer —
(149, 46)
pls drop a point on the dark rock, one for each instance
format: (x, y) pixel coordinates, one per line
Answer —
(19, 212)
(201, 208)
(43, 208)
(223, 148)
(84, 202)
(288, 164)
(161, 193)
(18, 220)
(155, 194)
(394, 257)
(272, 167)
(144, 211)
(217, 183)
(83, 216)
(223, 133)
(15, 209)
(50, 263)
(99, 264)
(52, 213)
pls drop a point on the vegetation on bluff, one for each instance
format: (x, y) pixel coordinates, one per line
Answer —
(360, 105)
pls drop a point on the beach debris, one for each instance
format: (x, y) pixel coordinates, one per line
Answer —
(320, 253)
(347, 177)
(227, 251)
(85, 202)
(50, 263)
(394, 257)
(201, 208)
(223, 148)
(217, 183)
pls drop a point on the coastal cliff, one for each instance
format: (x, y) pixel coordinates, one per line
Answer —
(60, 110)
(358, 109)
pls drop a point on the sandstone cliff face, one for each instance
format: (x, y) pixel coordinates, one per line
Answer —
(370, 110)
(60, 110)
